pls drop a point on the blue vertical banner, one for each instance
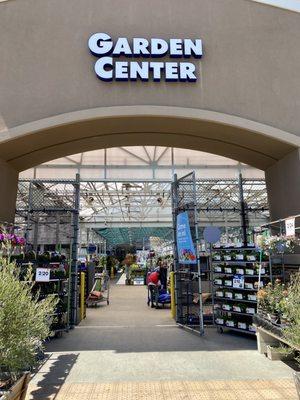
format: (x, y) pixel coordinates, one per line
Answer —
(185, 246)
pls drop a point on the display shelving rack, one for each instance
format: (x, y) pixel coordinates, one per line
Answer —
(57, 285)
(237, 274)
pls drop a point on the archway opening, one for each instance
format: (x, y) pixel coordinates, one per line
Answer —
(246, 141)
(128, 303)
(125, 200)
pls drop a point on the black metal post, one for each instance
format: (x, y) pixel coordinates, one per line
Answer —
(175, 254)
(197, 248)
(74, 256)
(29, 213)
(243, 211)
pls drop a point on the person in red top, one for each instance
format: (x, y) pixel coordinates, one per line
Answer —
(154, 277)
(153, 286)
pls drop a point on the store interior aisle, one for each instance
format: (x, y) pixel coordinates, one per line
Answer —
(129, 351)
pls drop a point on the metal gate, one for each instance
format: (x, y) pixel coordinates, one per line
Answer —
(52, 216)
(188, 286)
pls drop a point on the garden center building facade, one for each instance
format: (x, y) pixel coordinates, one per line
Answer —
(211, 75)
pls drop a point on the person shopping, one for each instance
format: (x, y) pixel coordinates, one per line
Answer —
(153, 286)
(128, 261)
(163, 272)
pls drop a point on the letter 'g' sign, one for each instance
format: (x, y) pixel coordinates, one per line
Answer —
(108, 69)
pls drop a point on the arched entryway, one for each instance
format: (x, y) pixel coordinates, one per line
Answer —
(259, 145)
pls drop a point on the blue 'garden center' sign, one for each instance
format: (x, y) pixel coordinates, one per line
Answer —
(185, 245)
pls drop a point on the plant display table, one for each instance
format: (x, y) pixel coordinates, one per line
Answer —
(269, 335)
(19, 389)
(137, 274)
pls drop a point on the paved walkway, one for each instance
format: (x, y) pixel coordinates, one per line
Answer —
(129, 351)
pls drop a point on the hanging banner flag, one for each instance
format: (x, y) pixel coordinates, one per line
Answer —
(290, 227)
(185, 246)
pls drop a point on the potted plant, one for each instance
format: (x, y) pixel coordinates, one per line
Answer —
(220, 321)
(242, 325)
(228, 294)
(230, 322)
(226, 307)
(263, 302)
(238, 256)
(216, 257)
(30, 256)
(238, 296)
(239, 271)
(291, 310)
(44, 258)
(24, 325)
(239, 308)
(218, 268)
(269, 299)
(282, 353)
(228, 270)
(262, 269)
(251, 256)
(277, 244)
(219, 293)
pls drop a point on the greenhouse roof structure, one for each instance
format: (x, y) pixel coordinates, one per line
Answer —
(140, 163)
(125, 192)
(136, 235)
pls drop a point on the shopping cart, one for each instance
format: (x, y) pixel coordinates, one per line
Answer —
(100, 290)
(164, 296)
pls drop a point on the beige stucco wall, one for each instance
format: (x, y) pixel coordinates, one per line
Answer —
(249, 70)
(245, 105)
(283, 184)
(250, 67)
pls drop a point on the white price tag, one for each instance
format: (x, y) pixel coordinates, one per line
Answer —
(42, 275)
(238, 281)
(290, 227)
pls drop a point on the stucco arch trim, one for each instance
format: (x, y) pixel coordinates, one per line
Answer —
(231, 136)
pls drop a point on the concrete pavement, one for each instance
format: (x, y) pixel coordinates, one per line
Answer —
(129, 351)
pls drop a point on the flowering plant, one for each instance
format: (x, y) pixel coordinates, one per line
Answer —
(272, 298)
(12, 239)
(276, 244)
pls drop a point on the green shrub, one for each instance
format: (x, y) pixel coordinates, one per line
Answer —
(292, 333)
(24, 320)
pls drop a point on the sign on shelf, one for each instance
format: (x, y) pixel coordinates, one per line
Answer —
(238, 282)
(42, 275)
(290, 227)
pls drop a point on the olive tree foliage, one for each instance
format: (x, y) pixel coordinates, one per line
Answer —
(24, 319)
(292, 332)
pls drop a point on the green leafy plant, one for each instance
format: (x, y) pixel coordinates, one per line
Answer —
(277, 244)
(271, 296)
(292, 309)
(103, 261)
(285, 302)
(24, 320)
